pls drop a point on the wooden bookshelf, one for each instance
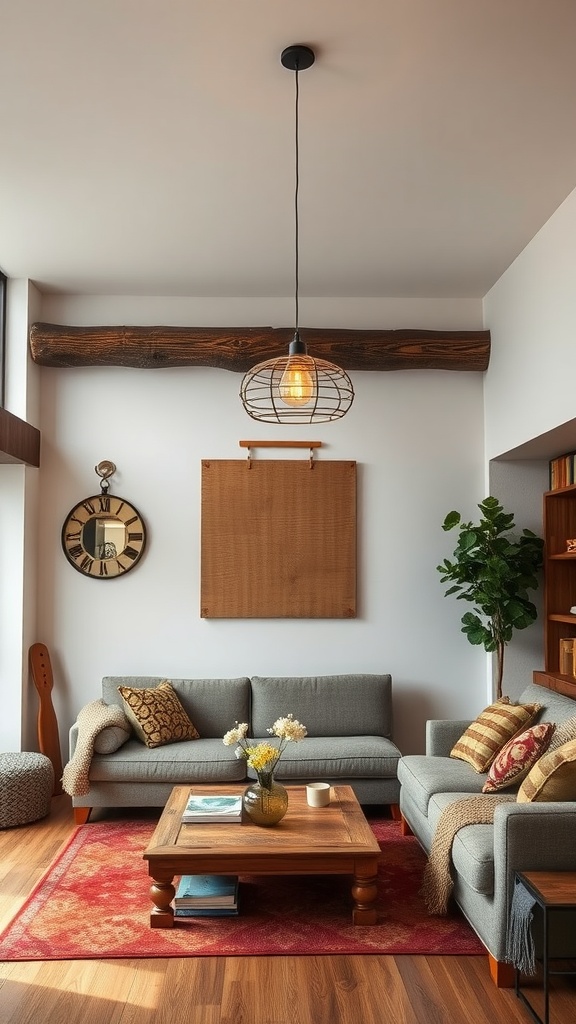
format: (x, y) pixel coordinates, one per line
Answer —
(559, 521)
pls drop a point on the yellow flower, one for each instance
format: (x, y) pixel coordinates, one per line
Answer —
(261, 757)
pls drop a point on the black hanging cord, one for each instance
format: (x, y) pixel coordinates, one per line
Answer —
(296, 190)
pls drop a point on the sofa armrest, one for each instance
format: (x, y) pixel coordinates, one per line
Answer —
(535, 837)
(442, 734)
(72, 739)
(528, 837)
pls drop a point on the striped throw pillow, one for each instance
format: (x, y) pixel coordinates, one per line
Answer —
(553, 777)
(497, 724)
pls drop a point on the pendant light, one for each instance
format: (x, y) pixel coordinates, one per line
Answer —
(296, 388)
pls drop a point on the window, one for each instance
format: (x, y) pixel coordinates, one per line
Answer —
(2, 335)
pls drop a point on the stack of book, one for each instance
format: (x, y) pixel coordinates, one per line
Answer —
(206, 896)
(563, 471)
(212, 808)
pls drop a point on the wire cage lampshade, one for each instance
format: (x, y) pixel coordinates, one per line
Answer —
(296, 388)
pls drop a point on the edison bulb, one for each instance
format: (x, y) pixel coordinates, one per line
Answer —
(298, 385)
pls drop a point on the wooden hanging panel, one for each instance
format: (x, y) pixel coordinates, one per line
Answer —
(278, 539)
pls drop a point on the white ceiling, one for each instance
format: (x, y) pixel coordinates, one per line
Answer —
(147, 146)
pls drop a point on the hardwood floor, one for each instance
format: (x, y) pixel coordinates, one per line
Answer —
(238, 990)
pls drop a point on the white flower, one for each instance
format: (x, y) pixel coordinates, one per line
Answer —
(289, 729)
(236, 734)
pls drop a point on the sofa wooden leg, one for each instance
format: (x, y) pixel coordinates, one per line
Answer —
(395, 812)
(502, 974)
(81, 815)
(405, 829)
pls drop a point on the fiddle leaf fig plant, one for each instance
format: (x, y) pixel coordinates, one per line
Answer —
(493, 569)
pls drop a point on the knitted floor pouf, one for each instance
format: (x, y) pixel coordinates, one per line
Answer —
(26, 787)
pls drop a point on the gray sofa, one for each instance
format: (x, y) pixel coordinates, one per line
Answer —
(349, 741)
(524, 836)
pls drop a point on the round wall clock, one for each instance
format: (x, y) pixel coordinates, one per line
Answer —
(104, 535)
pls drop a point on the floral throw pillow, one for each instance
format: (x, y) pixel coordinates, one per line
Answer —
(497, 724)
(516, 758)
(157, 715)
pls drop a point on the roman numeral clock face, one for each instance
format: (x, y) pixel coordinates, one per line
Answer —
(103, 536)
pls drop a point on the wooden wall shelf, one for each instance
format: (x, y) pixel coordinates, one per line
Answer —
(19, 441)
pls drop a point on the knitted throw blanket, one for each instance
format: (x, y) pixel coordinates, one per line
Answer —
(91, 720)
(437, 881)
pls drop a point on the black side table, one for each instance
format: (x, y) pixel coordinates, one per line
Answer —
(554, 892)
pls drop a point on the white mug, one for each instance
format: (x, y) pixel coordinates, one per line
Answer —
(318, 794)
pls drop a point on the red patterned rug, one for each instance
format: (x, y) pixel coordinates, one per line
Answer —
(93, 903)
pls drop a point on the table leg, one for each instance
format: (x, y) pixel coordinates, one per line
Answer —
(162, 893)
(364, 892)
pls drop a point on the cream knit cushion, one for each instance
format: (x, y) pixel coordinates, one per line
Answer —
(565, 731)
(497, 724)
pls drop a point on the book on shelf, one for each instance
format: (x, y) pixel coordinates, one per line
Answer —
(206, 891)
(212, 808)
(562, 471)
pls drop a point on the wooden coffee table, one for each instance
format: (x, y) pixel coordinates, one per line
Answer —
(333, 840)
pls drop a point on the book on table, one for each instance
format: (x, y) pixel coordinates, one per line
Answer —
(205, 893)
(206, 912)
(212, 808)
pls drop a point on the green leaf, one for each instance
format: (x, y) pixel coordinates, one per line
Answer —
(468, 540)
(452, 520)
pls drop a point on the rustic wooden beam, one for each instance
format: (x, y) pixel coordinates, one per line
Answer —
(19, 441)
(238, 349)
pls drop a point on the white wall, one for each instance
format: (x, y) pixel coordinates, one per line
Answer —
(18, 534)
(531, 313)
(530, 390)
(417, 437)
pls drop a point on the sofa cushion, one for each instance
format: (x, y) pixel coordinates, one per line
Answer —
(338, 757)
(202, 760)
(342, 705)
(472, 848)
(157, 715)
(493, 727)
(424, 776)
(553, 777)
(555, 707)
(212, 704)
(516, 758)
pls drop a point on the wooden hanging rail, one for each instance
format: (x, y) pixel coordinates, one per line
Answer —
(311, 445)
(280, 444)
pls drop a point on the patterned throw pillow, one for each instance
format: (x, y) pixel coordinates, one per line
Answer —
(497, 724)
(553, 777)
(516, 758)
(157, 715)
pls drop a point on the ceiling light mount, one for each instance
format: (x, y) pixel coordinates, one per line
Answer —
(296, 388)
(297, 58)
